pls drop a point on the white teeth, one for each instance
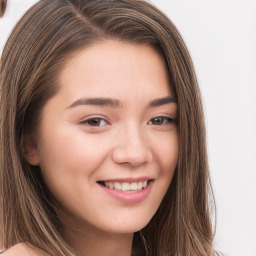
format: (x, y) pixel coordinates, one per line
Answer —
(144, 184)
(126, 186)
(134, 186)
(117, 185)
(139, 185)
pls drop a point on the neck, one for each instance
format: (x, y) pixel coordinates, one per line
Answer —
(93, 242)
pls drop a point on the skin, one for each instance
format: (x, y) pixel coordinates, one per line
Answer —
(22, 249)
(131, 139)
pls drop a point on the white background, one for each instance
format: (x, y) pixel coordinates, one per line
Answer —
(221, 36)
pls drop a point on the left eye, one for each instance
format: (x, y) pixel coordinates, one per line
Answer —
(161, 120)
(95, 122)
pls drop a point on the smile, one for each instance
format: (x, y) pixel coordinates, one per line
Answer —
(125, 186)
(128, 191)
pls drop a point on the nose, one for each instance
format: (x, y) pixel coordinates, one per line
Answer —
(132, 148)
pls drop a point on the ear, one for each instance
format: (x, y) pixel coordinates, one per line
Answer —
(30, 150)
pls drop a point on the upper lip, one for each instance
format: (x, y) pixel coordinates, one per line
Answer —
(128, 179)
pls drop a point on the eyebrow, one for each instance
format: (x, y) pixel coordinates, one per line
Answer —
(162, 101)
(96, 102)
(114, 103)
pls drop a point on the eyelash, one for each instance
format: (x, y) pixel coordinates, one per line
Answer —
(86, 122)
(165, 120)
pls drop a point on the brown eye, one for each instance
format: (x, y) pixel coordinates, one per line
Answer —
(161, 120)
(95, 122)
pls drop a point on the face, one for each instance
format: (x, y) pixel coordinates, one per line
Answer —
(107, 142)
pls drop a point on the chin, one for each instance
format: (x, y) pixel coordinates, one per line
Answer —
(128, 228)
(126, 225)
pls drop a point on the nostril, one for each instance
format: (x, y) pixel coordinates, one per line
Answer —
(3, 4)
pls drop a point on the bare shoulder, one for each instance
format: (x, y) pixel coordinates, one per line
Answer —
(21, 249)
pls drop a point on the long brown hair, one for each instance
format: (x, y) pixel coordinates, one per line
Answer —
(46, 36)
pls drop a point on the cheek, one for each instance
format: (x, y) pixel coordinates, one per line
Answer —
(69, 155)
(166, 155)
(166, 152)
(69, 162)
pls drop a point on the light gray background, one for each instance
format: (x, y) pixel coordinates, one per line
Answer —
(221, 36)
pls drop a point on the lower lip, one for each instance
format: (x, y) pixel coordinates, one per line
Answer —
(129, 197)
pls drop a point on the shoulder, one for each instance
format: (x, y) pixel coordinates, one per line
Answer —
(21, 249)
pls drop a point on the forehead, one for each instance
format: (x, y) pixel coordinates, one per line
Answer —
(114, 68)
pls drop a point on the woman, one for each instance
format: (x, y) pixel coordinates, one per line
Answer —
(102, 134)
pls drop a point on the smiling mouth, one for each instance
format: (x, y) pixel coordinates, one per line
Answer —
(125, 186)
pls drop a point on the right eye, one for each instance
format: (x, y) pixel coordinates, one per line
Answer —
(94, 122)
